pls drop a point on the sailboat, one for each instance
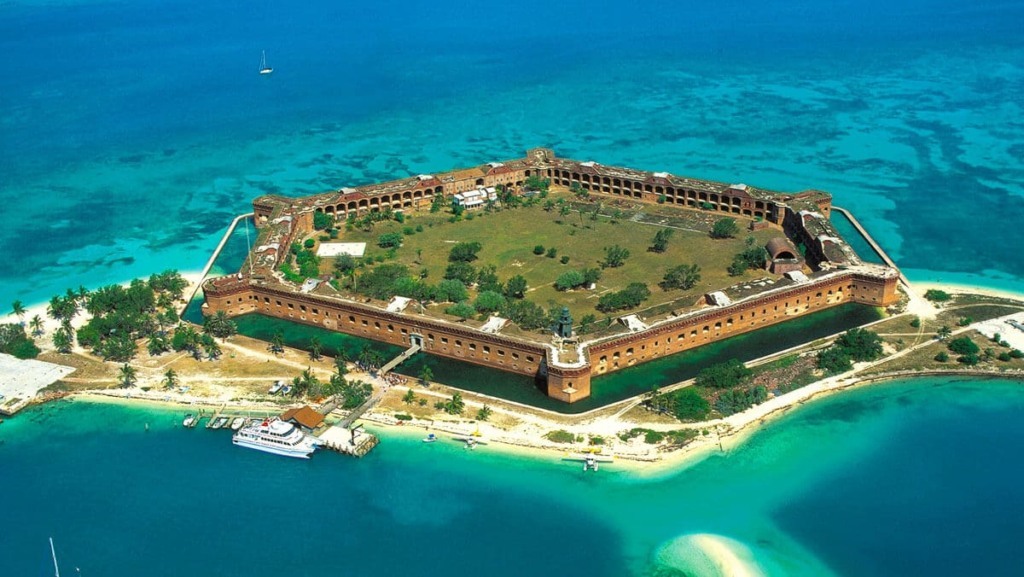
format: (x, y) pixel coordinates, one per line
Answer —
(264, 69)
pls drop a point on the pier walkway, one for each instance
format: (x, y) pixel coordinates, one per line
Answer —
(213, 258)
(399, 359)
(361, 409)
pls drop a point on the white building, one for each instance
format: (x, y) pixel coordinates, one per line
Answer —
(476, 198)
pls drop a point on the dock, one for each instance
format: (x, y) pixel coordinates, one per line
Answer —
(355, 442)
(415, 348)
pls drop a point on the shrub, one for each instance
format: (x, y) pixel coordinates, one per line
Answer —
(916, 322)
(402, 417)
(689, 405)
(942, 357)
(408, 231)
(614, 256)
(684, 277)
(725, 228)
(538, 250)
(969, 360)
(723, 375)
(564, 259)
(464, 252)
(627, 298)
(552, 252)
(560, 436)
(937, 296)
(963, 346)
(1005, 357)
(1017, 354)
(390, 240)
(322, 220)
(569, 279)
(964, 321)
(309, 243)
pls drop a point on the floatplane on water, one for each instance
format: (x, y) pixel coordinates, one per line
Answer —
(590, 459)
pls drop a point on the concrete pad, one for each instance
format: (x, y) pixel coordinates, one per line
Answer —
(23, 379)
(332, 249)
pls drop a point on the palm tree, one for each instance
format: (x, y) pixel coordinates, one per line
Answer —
(156, 345)
(37, 325)
(426, 375)
(277, 343)
(315, 348)
(18, 309)
(127, 376)
(170, 379)
(62, 340)
(483, 414)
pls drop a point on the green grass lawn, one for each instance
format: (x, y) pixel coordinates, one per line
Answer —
(509, 236)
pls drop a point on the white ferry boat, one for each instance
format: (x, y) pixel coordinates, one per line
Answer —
(274, 436)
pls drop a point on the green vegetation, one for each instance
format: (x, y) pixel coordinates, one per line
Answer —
(614, 256)
(627, 298)
(683, 277)
(322, 221)
(723, 375)
(506, 247)
(937, 296)
(560, 436)
(685, 404)
(14, 341)
(661, 238)
(752, 257)
(143, 310)
(855, 345)
(390, 240)
(725, 228)
(453, 406)
(737, 400)
(484, 413)
(963, 346)
(464, 252)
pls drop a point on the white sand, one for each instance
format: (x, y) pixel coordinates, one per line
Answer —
(709, 555)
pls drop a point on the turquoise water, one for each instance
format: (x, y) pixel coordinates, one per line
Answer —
(132, 132)
(922, 476)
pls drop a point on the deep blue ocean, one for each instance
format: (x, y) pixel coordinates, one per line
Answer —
(132, 132)
(912, 478)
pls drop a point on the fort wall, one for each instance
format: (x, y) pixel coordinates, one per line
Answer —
(803, 215)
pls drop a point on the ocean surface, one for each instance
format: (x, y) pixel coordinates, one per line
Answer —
(132, 132)
(908, 478)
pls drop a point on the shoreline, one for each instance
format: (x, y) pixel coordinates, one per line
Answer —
(656, 464)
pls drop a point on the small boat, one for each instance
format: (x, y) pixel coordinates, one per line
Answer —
(276, 388)
(264, 69)
(285, 390)
(430, 438)
(218, 422)
(237, 423)
(189, 421)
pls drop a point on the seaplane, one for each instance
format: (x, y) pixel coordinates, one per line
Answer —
(590, 459)
(471, 440)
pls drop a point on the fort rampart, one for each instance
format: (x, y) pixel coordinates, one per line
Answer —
(566, 372)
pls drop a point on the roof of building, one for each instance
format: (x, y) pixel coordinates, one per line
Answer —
(304, 416)
(780, 247)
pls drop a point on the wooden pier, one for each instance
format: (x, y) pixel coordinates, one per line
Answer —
(355, 442)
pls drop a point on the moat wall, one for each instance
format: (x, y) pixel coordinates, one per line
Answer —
(564, 382)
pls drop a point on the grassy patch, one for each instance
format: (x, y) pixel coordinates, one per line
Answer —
(508, 238)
